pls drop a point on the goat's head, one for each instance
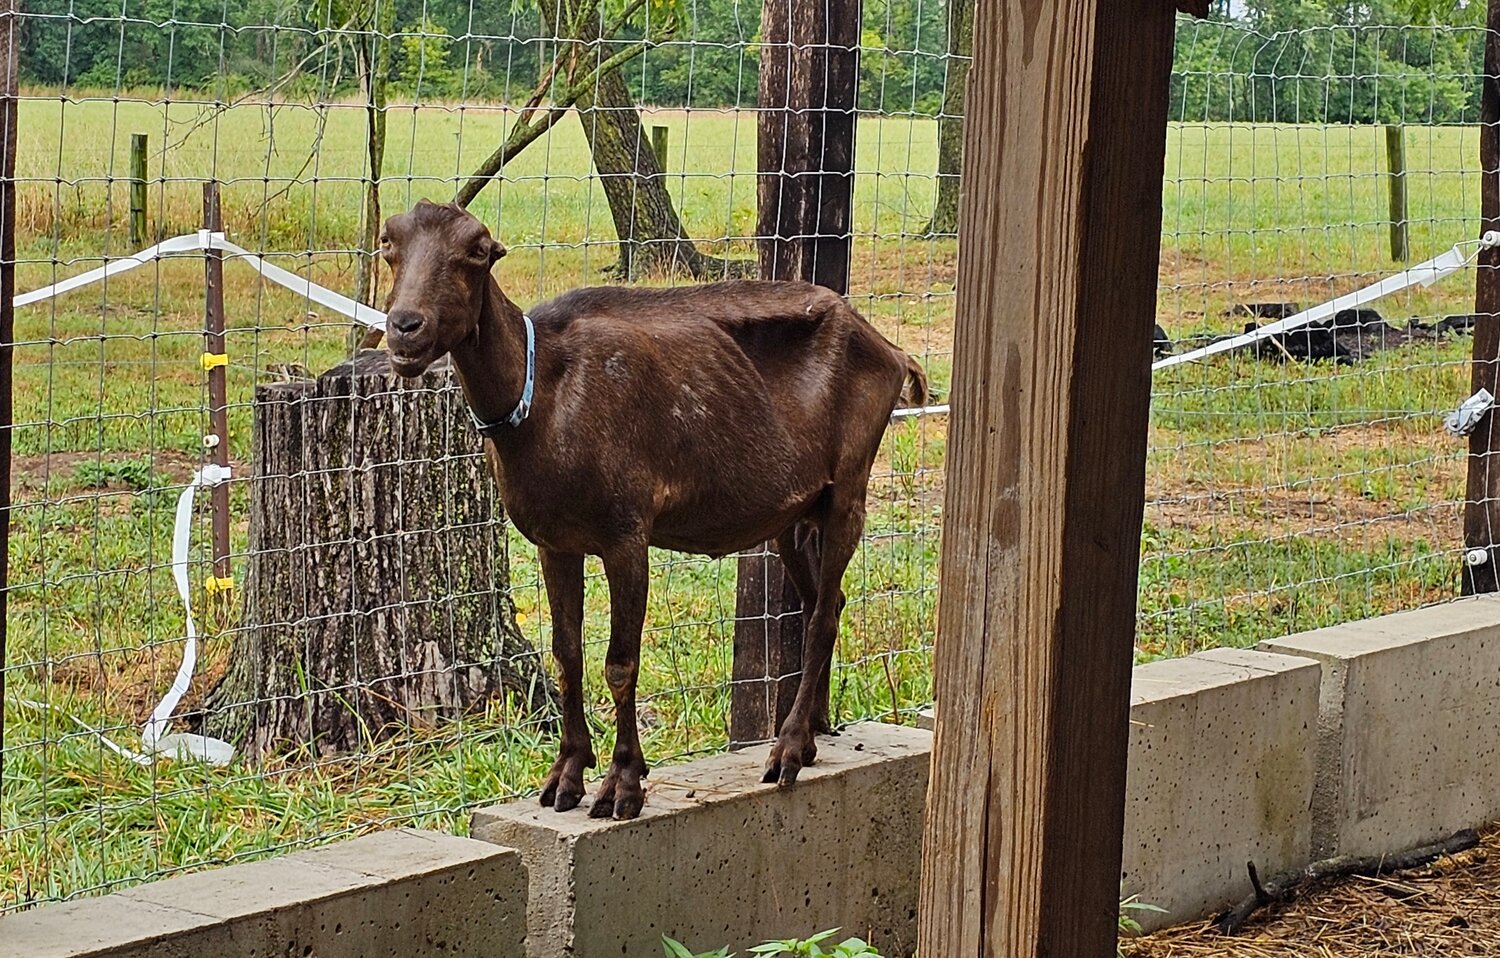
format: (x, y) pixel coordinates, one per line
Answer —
(440, 259)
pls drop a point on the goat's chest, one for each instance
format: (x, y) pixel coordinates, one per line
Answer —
(575, 510)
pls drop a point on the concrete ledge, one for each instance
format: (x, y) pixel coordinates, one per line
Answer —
(1409, 726)
(716, 858)
(1221, 772)
(400, 893)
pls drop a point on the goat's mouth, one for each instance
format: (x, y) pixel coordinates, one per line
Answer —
(407, 365)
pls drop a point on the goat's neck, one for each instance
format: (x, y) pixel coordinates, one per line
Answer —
(491, 362)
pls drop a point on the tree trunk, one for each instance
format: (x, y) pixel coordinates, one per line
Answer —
(377, 594)
(650, 232)
(944, 220)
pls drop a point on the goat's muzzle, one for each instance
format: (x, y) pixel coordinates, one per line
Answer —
(410, 350)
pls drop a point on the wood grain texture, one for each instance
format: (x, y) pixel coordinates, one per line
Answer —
(1482, 495)
(376, 598)
(1059, 244)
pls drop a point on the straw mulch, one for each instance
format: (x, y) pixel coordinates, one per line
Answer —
(1451, 907)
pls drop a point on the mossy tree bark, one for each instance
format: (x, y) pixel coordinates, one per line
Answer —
(377, 593)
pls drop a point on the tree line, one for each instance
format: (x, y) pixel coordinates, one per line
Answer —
(702, 54)
(1332, 61)
(1309, 61)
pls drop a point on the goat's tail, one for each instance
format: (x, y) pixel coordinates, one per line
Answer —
(915, 386)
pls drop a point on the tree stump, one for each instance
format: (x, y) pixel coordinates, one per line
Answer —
(377, 591)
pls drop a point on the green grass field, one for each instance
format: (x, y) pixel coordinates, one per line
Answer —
(1281, 497)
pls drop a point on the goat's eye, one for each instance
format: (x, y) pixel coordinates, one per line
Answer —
(479, 253)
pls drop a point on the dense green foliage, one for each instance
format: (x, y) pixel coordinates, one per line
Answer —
(1334, 61)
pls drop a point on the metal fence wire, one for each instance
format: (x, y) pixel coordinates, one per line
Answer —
(366, 644)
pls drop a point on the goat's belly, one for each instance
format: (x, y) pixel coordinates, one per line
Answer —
(717, 529)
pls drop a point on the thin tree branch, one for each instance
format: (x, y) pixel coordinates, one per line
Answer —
(523, 134)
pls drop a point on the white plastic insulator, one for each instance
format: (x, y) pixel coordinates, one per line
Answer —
(1476, 557)
(211, 441)
(1490, 239)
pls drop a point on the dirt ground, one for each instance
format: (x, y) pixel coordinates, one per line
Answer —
(1451, 907)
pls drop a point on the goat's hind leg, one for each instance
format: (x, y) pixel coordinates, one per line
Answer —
(563, 574)
(798, 548)
(795, 746)
(628, 570)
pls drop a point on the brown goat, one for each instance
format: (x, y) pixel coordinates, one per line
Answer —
(705, 419)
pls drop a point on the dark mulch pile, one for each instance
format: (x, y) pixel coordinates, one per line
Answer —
(1451, 907)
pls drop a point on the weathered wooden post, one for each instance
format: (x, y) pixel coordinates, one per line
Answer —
(9, 55)
(1395, 155)
(376, 594)
(1482, 496)
(137, 190)
(216, 363)
(659, 138)
(809, 77)
(1059, 242)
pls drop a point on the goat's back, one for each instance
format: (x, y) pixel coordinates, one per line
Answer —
(743, 401)
(816, 355)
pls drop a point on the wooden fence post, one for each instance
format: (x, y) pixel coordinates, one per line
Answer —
(216, 362)
(809, 81)
(1482, 496)
(660, 137)
(1059, 245)
(1395, 154)
(137, 190)
(9, 55)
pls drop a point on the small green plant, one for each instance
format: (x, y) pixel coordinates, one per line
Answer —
(131, 473)
(1129, 927)
(906, 457)
(795, 948)
(676, 949)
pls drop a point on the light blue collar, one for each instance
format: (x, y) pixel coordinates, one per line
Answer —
(523, 408)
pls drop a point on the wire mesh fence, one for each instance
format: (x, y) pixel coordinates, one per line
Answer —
(381, 655)
(1308, 480)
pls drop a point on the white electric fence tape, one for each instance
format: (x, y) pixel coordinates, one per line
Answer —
(1424, 274)
(156, 740)
(202, 241)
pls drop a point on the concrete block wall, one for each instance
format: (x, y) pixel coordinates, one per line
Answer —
(717, 858)
(1409, 726)
(1365, 738)
(400, 893)
(1221, 772)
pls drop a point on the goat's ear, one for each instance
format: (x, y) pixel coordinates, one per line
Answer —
(497, 250)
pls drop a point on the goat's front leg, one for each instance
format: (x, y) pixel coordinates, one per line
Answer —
(563, 574)
(628, 570)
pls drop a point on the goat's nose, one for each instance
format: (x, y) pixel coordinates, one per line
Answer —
(405, 320)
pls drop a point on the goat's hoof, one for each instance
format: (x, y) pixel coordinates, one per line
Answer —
(620, 795)
(563, 789)
(561, 798)
(567, 801)
(787, 760)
